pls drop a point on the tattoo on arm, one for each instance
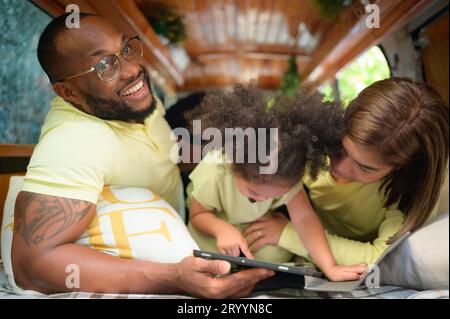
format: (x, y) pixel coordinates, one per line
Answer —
(39, 217)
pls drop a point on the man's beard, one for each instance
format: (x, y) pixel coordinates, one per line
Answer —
(114, 110)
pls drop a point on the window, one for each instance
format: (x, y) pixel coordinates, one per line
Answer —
(368, 68)
(25, 92)
(327, 91)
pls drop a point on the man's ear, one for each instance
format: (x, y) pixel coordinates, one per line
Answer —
(68, 92)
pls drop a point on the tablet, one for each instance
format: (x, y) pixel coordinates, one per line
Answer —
(251, 263)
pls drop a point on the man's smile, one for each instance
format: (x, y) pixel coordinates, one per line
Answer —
(136, 91)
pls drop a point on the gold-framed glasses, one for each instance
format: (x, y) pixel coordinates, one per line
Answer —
(108, 68)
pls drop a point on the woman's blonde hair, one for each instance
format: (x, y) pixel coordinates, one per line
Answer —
(407, 123)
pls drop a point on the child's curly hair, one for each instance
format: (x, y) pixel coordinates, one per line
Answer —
(309, 130)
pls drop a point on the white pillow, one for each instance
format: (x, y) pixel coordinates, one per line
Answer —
(136, 223)
(422, 261)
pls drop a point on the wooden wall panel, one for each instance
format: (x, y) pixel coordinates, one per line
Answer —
(435, 56)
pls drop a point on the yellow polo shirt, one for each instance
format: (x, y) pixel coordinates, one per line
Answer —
(78, 154)
(353, 215)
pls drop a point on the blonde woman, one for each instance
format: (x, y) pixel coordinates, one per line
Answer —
(387, 180)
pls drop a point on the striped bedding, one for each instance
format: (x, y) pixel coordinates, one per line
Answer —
(385, 292)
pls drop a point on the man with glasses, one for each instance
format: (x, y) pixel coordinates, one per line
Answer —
(105, 127)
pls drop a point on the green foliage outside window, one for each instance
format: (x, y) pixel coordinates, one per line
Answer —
(362, 72)
(327, 91)
(359, 74)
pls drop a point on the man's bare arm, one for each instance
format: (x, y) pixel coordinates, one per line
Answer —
(40, 218)
(46, 228)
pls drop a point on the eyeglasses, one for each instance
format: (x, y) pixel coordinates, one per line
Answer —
(108, 68)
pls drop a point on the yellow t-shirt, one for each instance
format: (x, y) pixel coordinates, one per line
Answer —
(353, 215)
(78, 154)
(213, 185)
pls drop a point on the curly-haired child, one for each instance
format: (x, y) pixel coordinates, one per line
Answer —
(225, 194)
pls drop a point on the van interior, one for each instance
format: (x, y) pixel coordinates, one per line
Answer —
(335, 47)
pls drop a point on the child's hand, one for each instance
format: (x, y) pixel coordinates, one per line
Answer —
(230, 241)
(345, 273)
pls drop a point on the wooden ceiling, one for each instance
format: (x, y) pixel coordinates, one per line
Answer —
(232, 41)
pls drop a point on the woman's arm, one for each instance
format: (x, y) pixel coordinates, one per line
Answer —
(347, 251)
(278, 230)
(229, 238)
(311, 232)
